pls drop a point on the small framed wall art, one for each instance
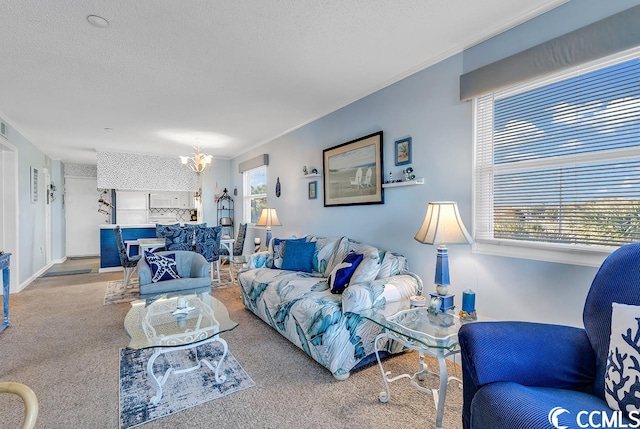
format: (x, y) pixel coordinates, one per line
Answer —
(313, 190)
(34, 185)
(403, 151)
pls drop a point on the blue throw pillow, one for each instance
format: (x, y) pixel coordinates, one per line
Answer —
(279, 245)
(162, 267)
(298, 256)
(341, 274)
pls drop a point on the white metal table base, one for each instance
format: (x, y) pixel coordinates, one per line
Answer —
(439, 395)
(215, 366)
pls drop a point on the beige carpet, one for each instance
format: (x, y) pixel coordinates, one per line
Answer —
(64, 343)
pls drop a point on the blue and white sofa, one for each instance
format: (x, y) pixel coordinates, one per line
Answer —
(287, 288)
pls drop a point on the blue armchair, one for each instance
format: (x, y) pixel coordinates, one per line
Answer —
(516, 374)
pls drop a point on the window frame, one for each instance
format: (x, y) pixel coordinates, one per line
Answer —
(541, 251)
(247, 197)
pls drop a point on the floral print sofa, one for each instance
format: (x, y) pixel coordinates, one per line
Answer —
(326, 325)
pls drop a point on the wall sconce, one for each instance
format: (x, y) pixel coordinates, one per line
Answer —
(52, 190)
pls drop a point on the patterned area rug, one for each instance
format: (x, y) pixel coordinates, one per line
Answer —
(181, 391)
(116, 294)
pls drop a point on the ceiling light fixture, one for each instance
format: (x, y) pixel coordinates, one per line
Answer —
(97, 21)
(198, 162)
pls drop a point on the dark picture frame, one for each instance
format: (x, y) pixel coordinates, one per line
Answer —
(403, 151)
(313, 190)
(354, 172)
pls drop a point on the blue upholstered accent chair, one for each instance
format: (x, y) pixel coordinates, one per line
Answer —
(515, 373)
(128, 263)
(208, 245)
(192, 268)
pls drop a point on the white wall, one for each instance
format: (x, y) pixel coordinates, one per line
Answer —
(426, 106)
(83, 220)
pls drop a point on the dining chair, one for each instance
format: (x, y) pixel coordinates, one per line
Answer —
(128, 263)
(176, 237)
(191, 231)
(237, 260)
(238, 244)
(208, 245)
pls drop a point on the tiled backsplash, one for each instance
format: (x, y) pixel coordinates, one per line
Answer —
(182, 215)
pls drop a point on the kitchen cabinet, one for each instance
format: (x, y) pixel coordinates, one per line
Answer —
(172, 200)
(131, 207)
(187, 200)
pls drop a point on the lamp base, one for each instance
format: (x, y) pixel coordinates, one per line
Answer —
(446, 301)
(442, 289)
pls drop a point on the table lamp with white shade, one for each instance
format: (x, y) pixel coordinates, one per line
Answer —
(268, 218)
(442, 225)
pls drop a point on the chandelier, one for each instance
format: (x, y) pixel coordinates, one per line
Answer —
(198, 162)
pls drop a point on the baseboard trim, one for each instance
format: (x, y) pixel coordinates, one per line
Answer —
(109, 269)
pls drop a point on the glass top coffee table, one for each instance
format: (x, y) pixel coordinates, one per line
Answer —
(177, 321)
(435, 334)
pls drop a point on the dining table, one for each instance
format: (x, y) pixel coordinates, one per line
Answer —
(150, 244)
(227, 243)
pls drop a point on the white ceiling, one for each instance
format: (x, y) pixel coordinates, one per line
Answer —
(227, 74)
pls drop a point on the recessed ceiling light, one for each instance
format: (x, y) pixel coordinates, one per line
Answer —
(97, 21)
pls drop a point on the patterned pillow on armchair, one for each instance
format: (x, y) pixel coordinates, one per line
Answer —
(162, 267)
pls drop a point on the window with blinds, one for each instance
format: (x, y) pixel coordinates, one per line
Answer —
(557, 161)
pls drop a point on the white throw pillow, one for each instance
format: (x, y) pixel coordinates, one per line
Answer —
(622, 375)
(392, 264)
(370, 265)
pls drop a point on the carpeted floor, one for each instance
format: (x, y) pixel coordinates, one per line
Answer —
(64, 344)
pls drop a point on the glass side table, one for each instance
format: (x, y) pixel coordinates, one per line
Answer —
(417, 329)
(236, 264)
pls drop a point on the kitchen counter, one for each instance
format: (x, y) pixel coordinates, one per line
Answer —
(133, 225)
(109, 258)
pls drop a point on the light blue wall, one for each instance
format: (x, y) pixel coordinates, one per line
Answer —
(426, 106)
(568, 17)
(219, 173)
(31, 216)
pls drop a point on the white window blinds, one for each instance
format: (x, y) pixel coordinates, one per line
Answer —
(558, 161)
